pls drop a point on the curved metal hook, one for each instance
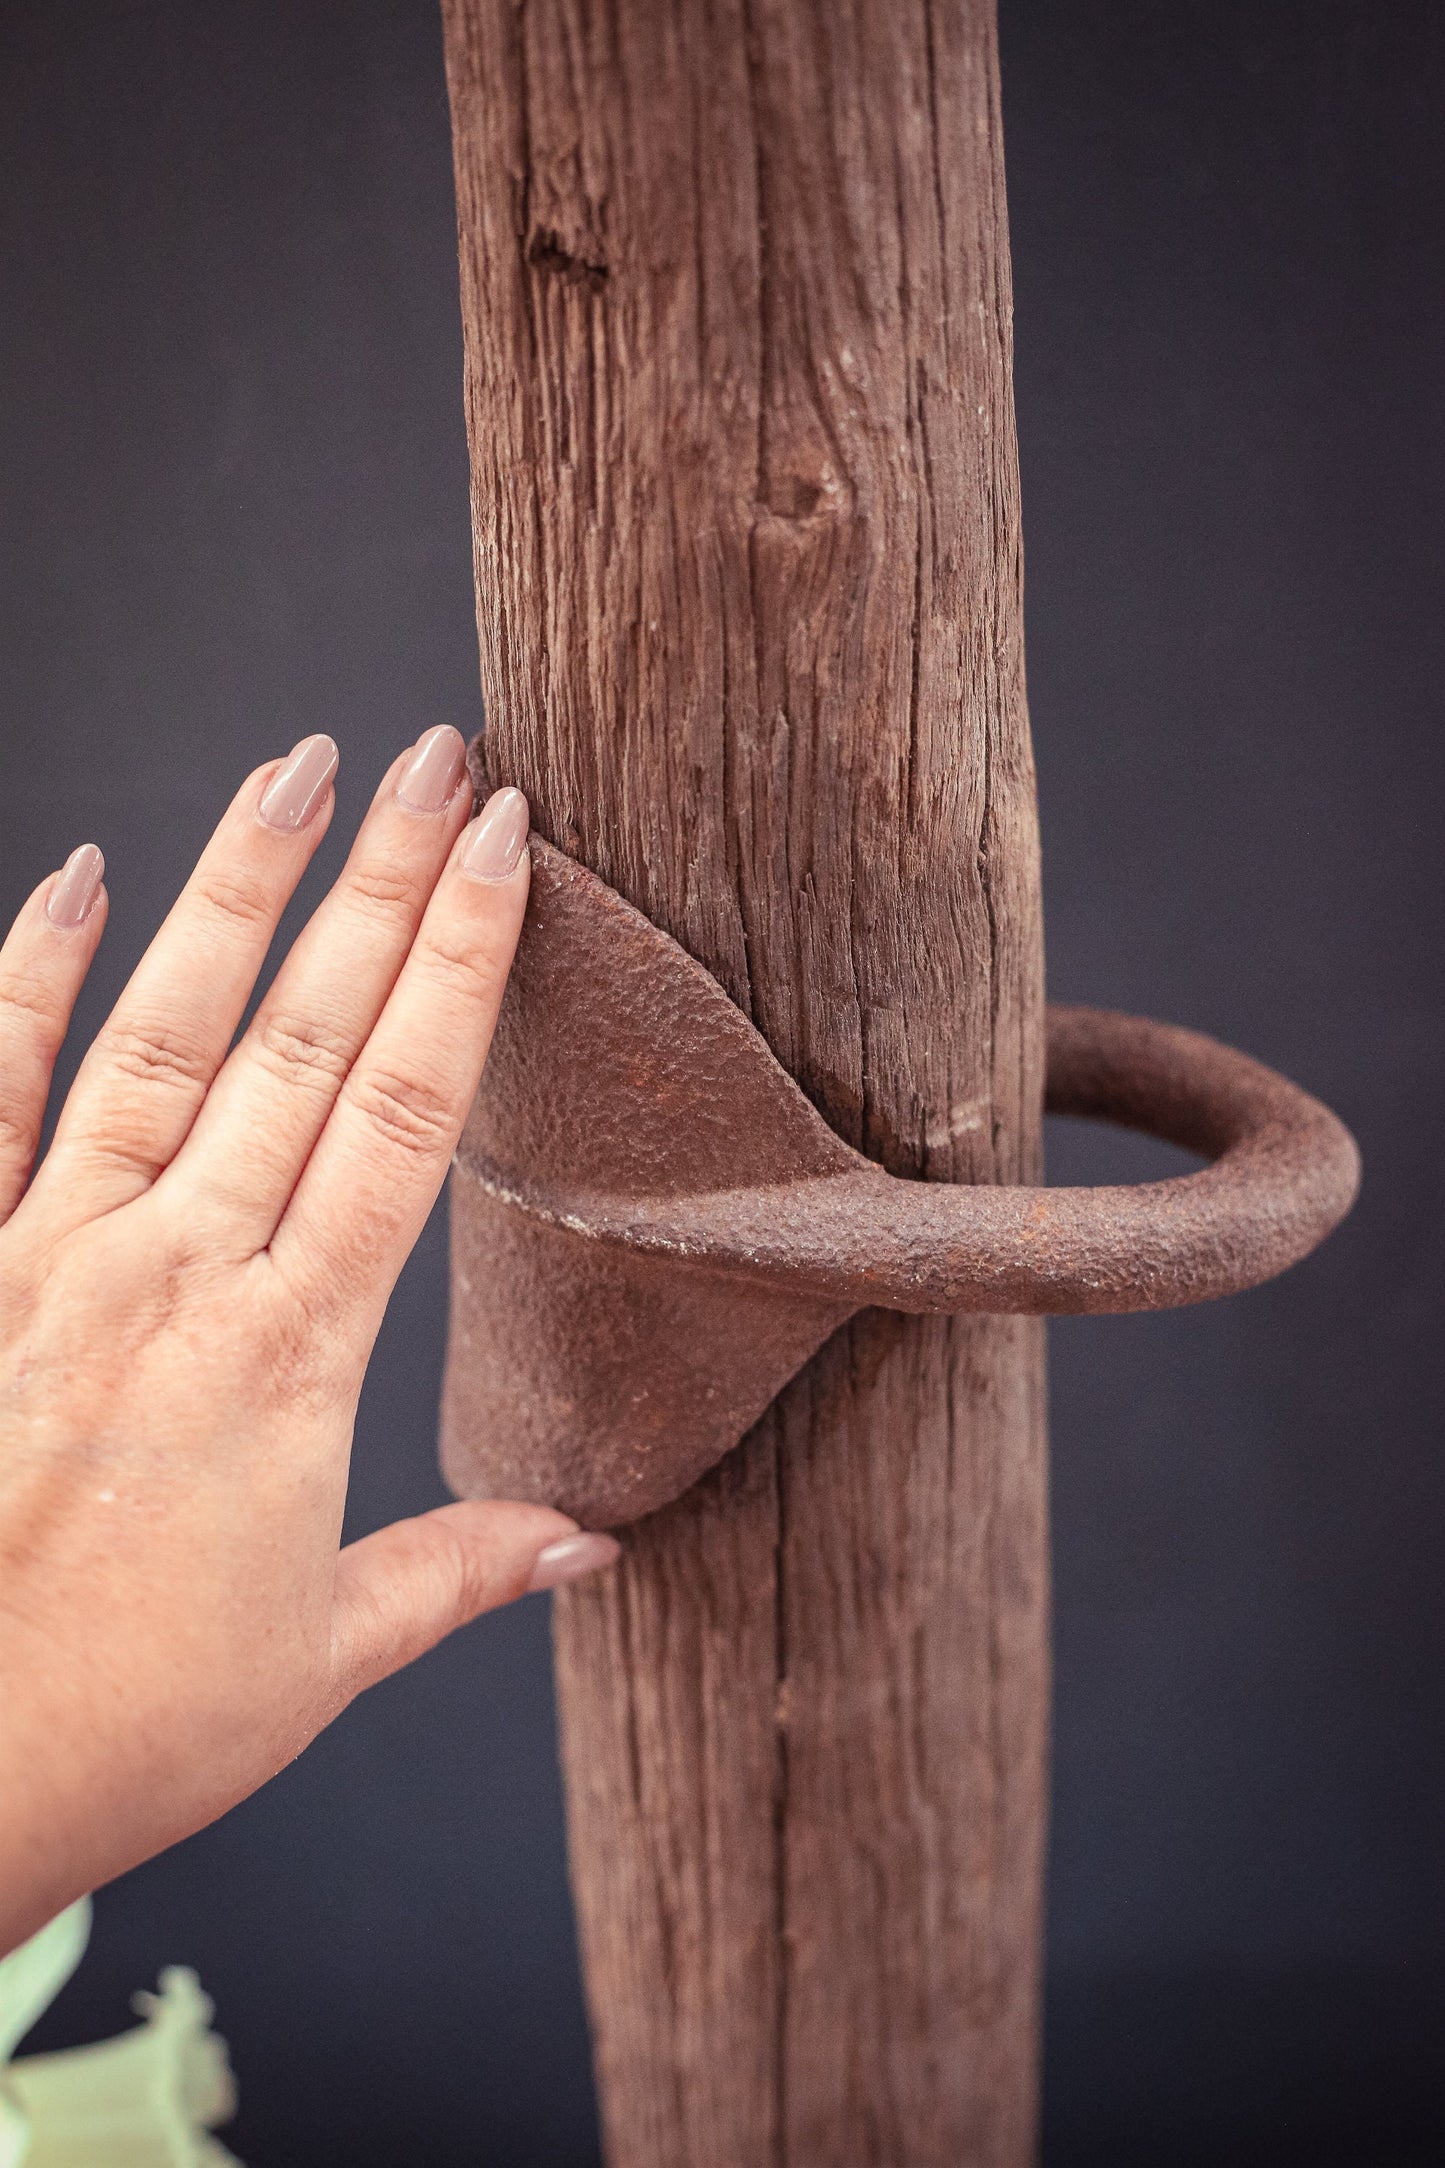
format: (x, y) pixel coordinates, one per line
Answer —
(670, 1228)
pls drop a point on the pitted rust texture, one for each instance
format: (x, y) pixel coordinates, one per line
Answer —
(653, 1228)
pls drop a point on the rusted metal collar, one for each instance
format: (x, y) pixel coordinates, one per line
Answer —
(653, 1227)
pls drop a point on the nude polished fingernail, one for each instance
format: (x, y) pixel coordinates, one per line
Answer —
(498, 838)
(299, 784)
(429, 779)
(570, 1557)
(75, 887)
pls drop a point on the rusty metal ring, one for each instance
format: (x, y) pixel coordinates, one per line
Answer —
(1284, 1172)
(670, 1227)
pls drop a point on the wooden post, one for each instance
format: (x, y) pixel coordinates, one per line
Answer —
(736, 294)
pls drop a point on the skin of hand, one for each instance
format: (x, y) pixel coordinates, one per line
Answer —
(190, 1288)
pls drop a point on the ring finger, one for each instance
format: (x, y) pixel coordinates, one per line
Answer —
(271, 1100)
(144, 1079)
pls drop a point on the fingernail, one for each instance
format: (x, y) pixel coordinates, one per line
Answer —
(299, 784)
(75, 887)
(570, 1557)
(429, 778)
(498, 837)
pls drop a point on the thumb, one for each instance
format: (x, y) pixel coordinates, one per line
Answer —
(402, 1590)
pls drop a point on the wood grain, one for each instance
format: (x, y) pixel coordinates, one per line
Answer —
(735, 287)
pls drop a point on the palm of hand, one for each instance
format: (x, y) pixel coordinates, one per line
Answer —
(190, 1287)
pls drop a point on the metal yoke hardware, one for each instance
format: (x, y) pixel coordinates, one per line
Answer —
(653, 1228)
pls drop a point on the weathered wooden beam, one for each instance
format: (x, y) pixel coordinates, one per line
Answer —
(737, 307)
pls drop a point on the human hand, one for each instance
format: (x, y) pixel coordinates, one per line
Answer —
(190, 1288)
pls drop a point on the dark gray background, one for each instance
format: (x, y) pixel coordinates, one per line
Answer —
(234, 510)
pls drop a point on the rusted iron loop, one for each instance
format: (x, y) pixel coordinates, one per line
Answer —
(831, 1223)
(681, 1227)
